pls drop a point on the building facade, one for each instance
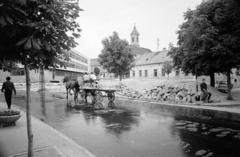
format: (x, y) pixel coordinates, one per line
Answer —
(76, 65)
(149, 64)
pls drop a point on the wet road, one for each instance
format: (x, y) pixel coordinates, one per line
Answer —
(134, 130)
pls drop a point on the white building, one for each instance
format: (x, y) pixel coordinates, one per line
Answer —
(149, 64)
(74, 67)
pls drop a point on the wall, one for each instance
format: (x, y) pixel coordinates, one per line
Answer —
(150, 69)
(34, 76)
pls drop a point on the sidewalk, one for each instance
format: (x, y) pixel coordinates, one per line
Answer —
(48, 142)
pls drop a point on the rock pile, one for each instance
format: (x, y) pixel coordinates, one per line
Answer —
(159, 93)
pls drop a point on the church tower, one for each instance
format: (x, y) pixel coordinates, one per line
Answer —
(134, 37)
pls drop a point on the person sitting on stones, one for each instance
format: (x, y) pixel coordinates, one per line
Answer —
(206, 95)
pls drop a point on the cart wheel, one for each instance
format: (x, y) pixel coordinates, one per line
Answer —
(99, 97)
(111, 96)
(82, 93)
(98, 105)
(111, 104)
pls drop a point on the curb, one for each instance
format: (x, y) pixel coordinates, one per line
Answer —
(61, 135)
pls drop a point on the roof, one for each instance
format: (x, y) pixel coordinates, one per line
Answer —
(94, 62)
(135, 32)
(139, 50)
(152, 58)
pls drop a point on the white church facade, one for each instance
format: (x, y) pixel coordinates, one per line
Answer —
(149, 64)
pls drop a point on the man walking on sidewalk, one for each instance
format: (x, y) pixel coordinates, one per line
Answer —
(8, 88)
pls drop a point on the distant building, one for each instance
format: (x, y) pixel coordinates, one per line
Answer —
(149, 64)
(74, 67)
(135, 37)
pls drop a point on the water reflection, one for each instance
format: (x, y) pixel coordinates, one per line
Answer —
(43, 103)
(205, 139)
(115, 120)
(119, 120)
(133, 130)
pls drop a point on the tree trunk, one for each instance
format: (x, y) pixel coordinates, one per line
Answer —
(196, 77)
(120, 77)
(42, 81)
(53, 73)
(229, 94)
(28, 112)
(212, 80)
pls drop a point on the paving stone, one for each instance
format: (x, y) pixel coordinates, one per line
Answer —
(208, 154)
(237, 136)
(206, 133)
(200, 152)
(216, 129)
(192, 129)
(180, 124)
(221, 135)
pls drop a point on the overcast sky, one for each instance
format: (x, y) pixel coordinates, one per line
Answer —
(153, 18)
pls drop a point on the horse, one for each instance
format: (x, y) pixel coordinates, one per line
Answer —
(72, 85)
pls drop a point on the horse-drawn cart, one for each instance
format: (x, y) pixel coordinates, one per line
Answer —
(97, 95)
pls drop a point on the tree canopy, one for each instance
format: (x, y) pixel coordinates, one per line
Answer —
(116, 55)
(167, 68)
(37, 31)
(209, 38)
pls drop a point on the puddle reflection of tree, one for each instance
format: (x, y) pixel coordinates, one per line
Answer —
(43, 103)
(195, 140)
(116, 121)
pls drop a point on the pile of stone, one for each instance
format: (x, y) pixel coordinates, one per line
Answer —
(131, 93)
(170, 94)
(161, 93)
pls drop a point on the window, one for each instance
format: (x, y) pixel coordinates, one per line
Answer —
(133, 73)
(163, 72)
(146, 73)
(78, 57)
(155, 72)
(140, 73)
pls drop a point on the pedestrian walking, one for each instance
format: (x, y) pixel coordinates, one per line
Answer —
(8, 88)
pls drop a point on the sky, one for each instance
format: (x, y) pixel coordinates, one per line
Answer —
(153, 19)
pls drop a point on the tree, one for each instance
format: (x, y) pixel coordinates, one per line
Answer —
(34, 33)
(96, 71)
(116, 55)
(209, 40)
(167, 68)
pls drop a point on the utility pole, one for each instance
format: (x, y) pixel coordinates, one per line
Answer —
(158, 43)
